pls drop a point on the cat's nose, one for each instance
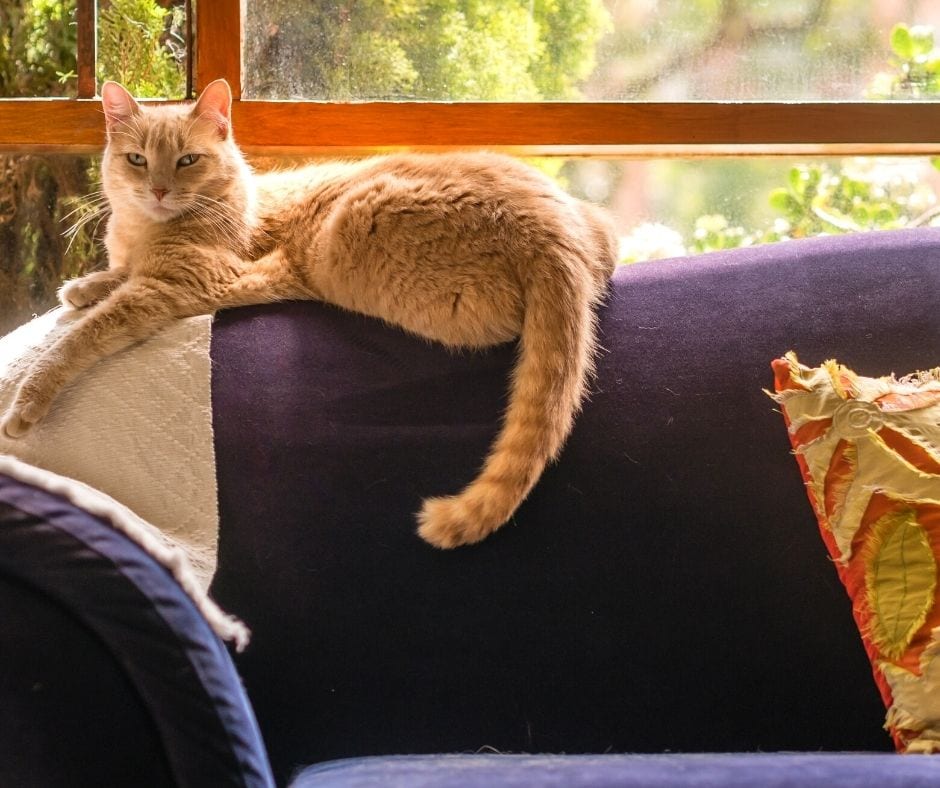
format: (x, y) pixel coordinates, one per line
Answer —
(159, 193)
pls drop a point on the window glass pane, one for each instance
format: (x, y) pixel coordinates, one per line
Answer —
(142, 45)
(50, 229)
(522, 50)
(37, 48)
(669, 207)
(664, 208)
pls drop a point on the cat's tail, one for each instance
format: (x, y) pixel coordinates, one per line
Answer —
(556, 357)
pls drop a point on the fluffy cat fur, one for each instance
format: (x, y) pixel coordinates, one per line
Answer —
(469, 250)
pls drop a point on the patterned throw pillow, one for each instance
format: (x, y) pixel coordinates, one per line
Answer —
(869, 450)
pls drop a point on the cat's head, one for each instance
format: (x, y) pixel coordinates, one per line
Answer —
(167, 160)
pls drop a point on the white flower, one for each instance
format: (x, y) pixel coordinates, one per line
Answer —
(651, 241)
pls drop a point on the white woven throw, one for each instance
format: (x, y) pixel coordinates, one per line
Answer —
(134, 436)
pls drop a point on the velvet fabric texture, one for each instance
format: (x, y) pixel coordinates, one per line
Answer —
(663, 587)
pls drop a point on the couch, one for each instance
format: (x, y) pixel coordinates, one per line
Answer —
(660, 611)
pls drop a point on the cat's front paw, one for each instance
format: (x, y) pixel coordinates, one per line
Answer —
(32, 403)
(80, 294)
(20, 419)
(88, 290)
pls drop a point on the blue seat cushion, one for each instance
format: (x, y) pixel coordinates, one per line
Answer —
(767, 770)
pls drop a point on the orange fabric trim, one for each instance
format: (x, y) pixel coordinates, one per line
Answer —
(896, 402)
(811, 431)
(839, 475)
(783, 377)
(913, 453)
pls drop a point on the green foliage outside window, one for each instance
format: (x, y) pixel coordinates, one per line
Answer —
(915, 65)
(37, 47)
(521, 50)
(141, 45)
(822, 199)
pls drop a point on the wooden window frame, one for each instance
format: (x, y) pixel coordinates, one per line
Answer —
(610, 129)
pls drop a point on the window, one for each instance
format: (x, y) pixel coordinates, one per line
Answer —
(703, 123)
(588, 50)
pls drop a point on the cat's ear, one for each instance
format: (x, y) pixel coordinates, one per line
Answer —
(119, 106)
(215, 106)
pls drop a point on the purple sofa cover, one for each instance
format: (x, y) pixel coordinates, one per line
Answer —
(664, 587)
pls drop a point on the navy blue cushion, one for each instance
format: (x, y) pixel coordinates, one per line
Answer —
(664, 587)
(176, 687)
(814, 770)
(69, 716)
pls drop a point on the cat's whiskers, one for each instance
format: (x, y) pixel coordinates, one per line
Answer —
(94, 205)
(95, 199)
(237, 216)
(102, 216)
(221, 223)
(73, 232)
(132, 128)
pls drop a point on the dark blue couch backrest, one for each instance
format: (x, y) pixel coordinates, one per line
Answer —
(663, 588)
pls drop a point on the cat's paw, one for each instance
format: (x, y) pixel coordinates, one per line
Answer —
(88, 290)
(80, 293)
(449, 522)
(32, 403)
(20, 419)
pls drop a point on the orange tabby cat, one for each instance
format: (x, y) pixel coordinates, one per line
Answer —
(469, 250)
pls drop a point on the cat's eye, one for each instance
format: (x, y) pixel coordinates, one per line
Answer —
(136, 159)
(187, 159)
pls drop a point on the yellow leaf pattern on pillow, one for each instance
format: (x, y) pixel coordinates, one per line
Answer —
(901, 579)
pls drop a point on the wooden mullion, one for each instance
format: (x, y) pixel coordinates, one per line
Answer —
(86, 56)
(190, 49)
(564, 129)
(217, 48)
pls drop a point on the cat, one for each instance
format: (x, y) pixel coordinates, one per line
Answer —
(466, 249)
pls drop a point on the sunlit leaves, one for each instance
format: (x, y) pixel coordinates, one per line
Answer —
(915, 65)
(136, 48)
(911, 43)
(431, 50)
(862, 194)
(37, 44)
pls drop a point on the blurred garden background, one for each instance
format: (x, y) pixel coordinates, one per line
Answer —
(52, 216)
